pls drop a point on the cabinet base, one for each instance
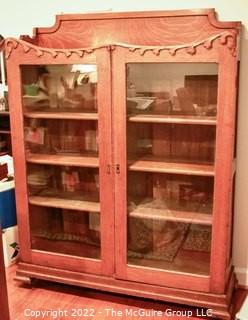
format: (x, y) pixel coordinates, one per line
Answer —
(220, 304)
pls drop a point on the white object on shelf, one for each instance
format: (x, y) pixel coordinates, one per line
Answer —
(34, 100)
(10, 245)
(9, 160)
(243, 312)
(142, 103)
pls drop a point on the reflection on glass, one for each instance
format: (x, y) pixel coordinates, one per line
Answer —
(170, 195)
(169, 245)
(65, 182)
(68, 137)
(188, 89)
(65, 231)
(170, 161)
(171, 143)
(59, 87)
(169, 221)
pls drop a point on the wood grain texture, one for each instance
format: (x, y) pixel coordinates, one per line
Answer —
(150, 118)
(218, 303)
(170, 167)
(120, 158)
(222, 211)
(17, 137)
(106, 172)
(52, 296)
(62, 115)
(65, 203)
(181, 27)
(172, 215)
(192, 37)
(63, 160)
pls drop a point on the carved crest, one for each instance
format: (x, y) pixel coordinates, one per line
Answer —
(10, 44)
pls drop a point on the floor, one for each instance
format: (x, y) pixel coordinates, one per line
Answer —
(56, 301)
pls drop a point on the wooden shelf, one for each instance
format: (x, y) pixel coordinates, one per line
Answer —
(62, 115)
(153, 118)
(79, 161)
(171, 215)
(67, 247)
(4, 113)
(186, 261)
(5, 131)
(3, 153)
(147, 164)
(54, 202)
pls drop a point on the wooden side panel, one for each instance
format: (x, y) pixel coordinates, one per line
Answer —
(222, 217)
(17, 136)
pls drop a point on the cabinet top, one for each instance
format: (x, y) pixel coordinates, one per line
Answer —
(158, 28)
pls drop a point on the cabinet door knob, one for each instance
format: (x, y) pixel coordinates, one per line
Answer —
(117, 169)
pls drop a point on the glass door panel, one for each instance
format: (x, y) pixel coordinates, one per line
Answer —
(169, 221)
(65, 231)
(174, 143)
(62, 158)
(59, 88)
(168, 245)
(171, 133)
(63, 182)
(184, 89)
(61, 137)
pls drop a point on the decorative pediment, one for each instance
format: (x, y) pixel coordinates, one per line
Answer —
(227, 38)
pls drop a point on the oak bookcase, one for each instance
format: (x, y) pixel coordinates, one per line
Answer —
(123, 134)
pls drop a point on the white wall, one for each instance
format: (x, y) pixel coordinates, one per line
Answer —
(18, 17)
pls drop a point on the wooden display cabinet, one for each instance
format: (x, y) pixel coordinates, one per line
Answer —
(124, 153)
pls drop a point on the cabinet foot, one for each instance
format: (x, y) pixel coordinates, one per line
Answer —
(24, 279)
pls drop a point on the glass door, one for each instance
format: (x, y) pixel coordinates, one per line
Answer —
(170, 133)
(67, 165)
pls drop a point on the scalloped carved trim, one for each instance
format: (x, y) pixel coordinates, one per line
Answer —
(227, 38)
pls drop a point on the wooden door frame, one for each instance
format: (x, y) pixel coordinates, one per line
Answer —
(101, 57)
(216, 280)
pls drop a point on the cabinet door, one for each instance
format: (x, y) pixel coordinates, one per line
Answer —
(60, 122)
(165, 129)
